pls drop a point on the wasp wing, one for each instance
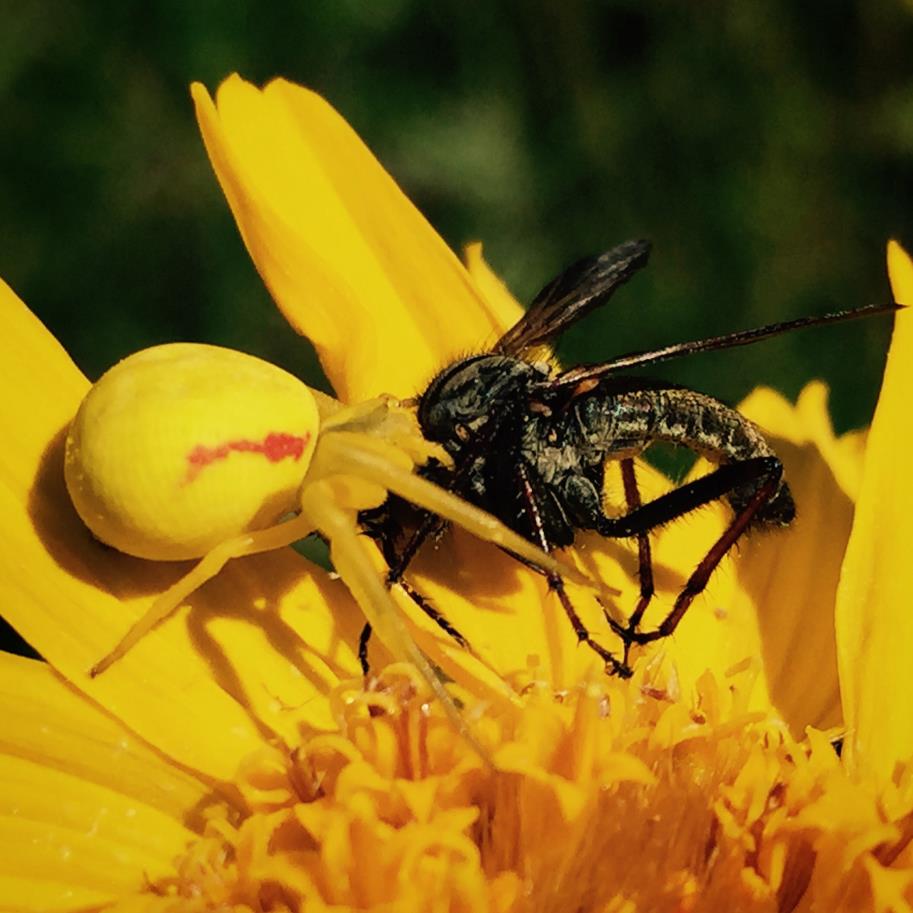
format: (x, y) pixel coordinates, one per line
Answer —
(585, 374)
(585, 285)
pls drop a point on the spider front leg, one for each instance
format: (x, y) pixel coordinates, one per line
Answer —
(372, 460)
(352, 562)
(763, 472)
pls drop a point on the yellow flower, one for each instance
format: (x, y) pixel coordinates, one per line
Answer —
(232, 760)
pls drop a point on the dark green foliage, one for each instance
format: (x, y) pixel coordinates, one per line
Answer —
(765, 148)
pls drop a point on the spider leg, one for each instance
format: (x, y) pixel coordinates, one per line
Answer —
(354, 565)
(263, 540)
(766, 471)
(371, 460)
(613, 665)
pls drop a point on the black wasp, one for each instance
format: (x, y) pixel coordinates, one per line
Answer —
(530, 445)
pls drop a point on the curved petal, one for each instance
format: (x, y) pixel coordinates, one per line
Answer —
(790, 576)
(874, 621)
(76, 736)
(72, 598)
(504, 309)
(350, 261)
(92, 838)
(81, 774)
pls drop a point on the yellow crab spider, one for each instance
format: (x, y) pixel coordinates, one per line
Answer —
(188, 451)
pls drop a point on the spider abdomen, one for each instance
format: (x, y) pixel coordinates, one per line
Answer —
(180, 447)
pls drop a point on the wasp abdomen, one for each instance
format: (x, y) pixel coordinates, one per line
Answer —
(625, 424)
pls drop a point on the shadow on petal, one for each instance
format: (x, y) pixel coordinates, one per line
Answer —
(69, 542)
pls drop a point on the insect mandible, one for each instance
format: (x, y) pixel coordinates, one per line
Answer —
(188, 451)
(530, 444)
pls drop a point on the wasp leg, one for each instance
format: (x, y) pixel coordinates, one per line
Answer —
(764, 470)
(430, 526)
(613, 665)
(698, 580)
(686, 498)
(398, 563)
(363, 640)
(644, 554)
(438, 617)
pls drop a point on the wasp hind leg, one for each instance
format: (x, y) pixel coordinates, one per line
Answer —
(398, 563)
(644, 558)
(763, 472)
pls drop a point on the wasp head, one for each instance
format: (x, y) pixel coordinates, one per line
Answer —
(461, 400)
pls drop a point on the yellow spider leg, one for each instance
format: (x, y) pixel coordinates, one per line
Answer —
(358, 417)
(382, 418)
(263, 540)
(352, 563)
(375, 461)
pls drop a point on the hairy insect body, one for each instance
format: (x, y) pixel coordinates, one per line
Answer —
(530, 443)
(500, 419)
(462, 399)
(601, 426)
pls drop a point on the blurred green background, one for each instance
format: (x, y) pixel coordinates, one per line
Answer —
(765, 148)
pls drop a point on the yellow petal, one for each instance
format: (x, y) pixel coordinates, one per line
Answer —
(87, 810)
(900, 271)
(350, 261)
(43, 894)
(83, 834)
(874, 621)
(49, 722)
(790, 576)
(72, 598)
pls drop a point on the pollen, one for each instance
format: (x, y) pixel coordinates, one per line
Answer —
(611, 798)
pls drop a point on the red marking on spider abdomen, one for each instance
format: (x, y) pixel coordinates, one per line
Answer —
(276, 446)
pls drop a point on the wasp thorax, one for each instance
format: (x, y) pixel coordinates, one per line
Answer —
(460, 400)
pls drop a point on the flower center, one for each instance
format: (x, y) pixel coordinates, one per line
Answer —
(612, 797)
